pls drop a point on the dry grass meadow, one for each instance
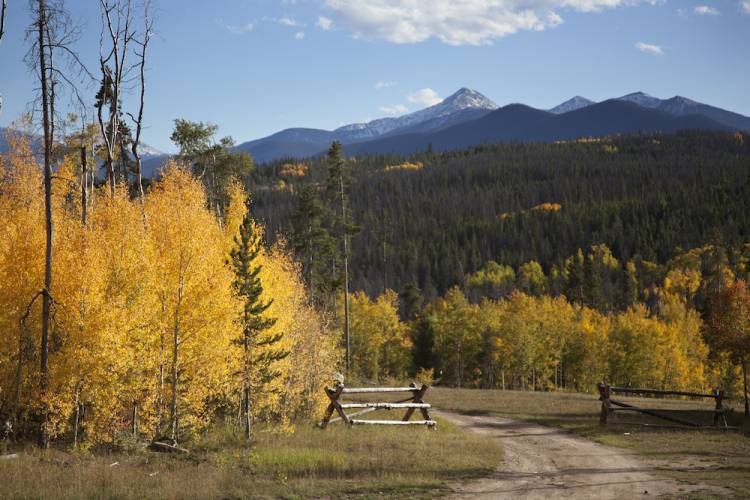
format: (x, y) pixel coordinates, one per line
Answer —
(359, 462)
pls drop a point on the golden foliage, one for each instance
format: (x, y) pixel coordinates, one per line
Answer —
(541, 208)
(380, 342)
(144, 307)
(547, 207)
(293, 170)
(404, 166)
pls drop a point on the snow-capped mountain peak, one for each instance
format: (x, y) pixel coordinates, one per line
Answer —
(147, 151)
(462, 100)
(467, 99)
(571, 104)
(641, 99)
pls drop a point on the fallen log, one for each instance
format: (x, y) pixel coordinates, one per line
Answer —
(12, 456)
(167, 448)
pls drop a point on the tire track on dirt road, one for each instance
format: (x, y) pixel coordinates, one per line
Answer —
(543, 462)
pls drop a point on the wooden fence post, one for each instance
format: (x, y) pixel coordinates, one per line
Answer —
(418, 395)
(413, 402)
(720, 418)
(604, 397)
(135, 419)
(333, 395)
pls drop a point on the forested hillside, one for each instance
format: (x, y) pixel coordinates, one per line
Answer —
(433, 219)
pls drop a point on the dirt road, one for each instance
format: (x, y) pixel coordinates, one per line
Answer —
(543, 462)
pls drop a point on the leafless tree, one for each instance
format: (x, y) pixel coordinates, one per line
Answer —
(2, 18)
(44, 63)
(118, 77)
(116, 19)
(52, 31)
(2, 32)
(148, 26)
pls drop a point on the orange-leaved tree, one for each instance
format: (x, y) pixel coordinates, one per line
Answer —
(728, 327)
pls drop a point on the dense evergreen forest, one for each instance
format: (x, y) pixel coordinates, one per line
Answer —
(434, 219)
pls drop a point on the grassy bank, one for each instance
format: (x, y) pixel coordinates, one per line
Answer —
(364, 461)
(712, 457)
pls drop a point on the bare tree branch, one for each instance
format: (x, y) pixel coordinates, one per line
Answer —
(116, 20)
(147, 31)
(2, 19)
(2, 32)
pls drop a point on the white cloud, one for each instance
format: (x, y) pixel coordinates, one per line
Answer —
(648, 48)
(324, 23)
(300, 35)
(745, 6)
(235, 30)
(457, 22)
(396, 109)
(382, 84)
(286, 21)
(425, 97)
(705, 10)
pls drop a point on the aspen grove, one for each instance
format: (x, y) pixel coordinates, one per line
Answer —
(145, 317)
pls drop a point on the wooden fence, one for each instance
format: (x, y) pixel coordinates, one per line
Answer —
(610, 406)
(410, 404)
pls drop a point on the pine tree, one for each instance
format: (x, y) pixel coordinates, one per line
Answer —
(259, 353)
(410, 300)
(313, 244)
(338, 185)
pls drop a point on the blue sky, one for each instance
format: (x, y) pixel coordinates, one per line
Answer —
(258, 66)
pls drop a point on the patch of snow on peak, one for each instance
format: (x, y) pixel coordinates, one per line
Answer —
(147, 151)
(571, 104)
(464, 99)
(641, 99)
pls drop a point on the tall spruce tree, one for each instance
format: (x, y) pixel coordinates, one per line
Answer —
(313, 244)
(338, 185)
(258, 346)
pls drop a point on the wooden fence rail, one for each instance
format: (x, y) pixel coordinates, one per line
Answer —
(410, 404)
(610, 406)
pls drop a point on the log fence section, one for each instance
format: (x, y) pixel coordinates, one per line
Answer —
(410, 404)
(610, 406)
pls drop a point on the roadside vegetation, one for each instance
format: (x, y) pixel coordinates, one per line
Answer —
(365, 461)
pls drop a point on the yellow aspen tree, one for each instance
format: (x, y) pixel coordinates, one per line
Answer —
(198, 304)
(21, 272)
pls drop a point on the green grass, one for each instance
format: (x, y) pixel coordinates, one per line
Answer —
(719, 458)
(363, 462)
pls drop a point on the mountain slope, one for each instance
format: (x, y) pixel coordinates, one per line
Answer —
(571, 104)
(438, 116)
(682, 106)
(519, 123)
(293, 142)
(462, 106)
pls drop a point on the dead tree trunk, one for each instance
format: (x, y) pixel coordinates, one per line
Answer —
(139, 120)
(346, 274)
(46, 296)
(2, 19)
(744, 382)
(84, 184)
(116, 19)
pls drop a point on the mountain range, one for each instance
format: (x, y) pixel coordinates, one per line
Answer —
(468, 118)
(152, 158)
